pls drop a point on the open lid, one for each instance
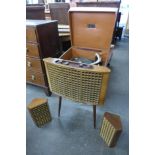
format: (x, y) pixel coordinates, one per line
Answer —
(92, 27)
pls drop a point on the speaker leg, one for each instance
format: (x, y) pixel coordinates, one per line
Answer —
(60, 98)
(94, 115)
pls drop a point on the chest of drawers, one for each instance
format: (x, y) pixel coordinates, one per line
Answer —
(42, 41)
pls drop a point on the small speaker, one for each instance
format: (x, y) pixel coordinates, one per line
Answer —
(111, 128)
(39, 111)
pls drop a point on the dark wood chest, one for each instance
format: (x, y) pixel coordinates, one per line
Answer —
(42, 41)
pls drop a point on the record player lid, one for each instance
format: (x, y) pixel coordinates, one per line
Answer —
(92, 27)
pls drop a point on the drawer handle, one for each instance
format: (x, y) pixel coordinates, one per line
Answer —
(27, 50)
(32, 77)
(29, 64)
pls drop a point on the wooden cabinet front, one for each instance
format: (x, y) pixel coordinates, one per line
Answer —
(32, 50)
(31, 34)
(35, 78)
(41, 41)
(33, 64)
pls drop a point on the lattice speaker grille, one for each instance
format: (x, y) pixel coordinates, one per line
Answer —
(40, 114)
(79, 85)
(107, 131)
(84, 85)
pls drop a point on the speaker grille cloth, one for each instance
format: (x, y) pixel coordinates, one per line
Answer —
(107, 131)
(40, 114)
(79, 85)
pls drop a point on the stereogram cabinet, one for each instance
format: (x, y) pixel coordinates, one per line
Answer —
(80, 74)
(42, 41)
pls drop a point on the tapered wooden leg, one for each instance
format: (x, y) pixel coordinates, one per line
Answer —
(94, 115)
(48, 92)
(60, 98)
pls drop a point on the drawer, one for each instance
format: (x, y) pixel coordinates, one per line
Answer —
(32, 50)
(33, 64)
(31, 34)
(35, 77)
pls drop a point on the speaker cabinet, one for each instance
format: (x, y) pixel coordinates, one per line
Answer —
(111, 128)
(39, 111)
